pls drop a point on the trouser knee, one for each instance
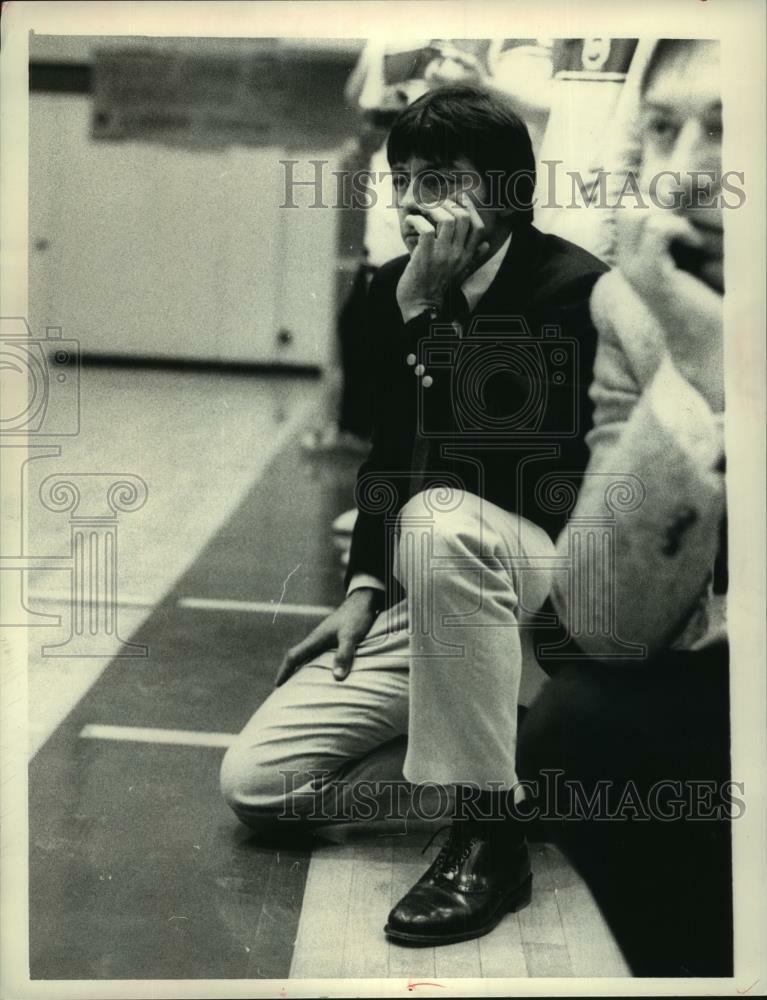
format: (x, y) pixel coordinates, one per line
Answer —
(253, 786)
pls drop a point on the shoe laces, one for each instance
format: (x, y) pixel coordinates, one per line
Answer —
(454, 851)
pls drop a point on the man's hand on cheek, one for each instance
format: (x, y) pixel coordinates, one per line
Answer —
(450, 243)
(687, 308)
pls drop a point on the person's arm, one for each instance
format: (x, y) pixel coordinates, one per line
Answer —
(362, 581)
(401, 309)
(345, 627)
(523, 75)
(365, 82)
(654, 484)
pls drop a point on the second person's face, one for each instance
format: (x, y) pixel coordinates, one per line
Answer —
(681, 135)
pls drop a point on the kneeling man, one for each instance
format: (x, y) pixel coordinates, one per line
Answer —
(483, 349)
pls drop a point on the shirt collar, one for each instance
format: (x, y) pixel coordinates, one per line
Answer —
(480, 280)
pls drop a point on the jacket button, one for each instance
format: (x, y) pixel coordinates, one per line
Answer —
(426, 381)
(419, 369)
(410, 359)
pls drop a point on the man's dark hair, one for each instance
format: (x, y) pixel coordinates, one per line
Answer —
(463, 121)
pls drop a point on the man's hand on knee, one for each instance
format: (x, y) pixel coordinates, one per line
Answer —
(344, 629)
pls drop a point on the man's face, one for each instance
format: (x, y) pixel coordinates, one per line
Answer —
(681, 133)
(420, 186)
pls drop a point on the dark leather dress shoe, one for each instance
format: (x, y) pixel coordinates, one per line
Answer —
(481, 873)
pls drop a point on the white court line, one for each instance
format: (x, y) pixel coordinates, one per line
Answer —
(254, 607)
(142, 734)
(202, 604)
(55, 701)
(65, 597)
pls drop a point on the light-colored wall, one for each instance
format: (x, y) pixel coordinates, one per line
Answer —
(143, 249)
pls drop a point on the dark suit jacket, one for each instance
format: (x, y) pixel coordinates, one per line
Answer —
(508, 407)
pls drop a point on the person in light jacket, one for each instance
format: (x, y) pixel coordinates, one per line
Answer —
(636, 718)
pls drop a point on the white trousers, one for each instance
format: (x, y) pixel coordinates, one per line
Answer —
(434, 687)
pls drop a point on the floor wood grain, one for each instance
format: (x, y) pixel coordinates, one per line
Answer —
(353, 882)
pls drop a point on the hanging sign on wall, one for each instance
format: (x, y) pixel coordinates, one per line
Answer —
(270, 96)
